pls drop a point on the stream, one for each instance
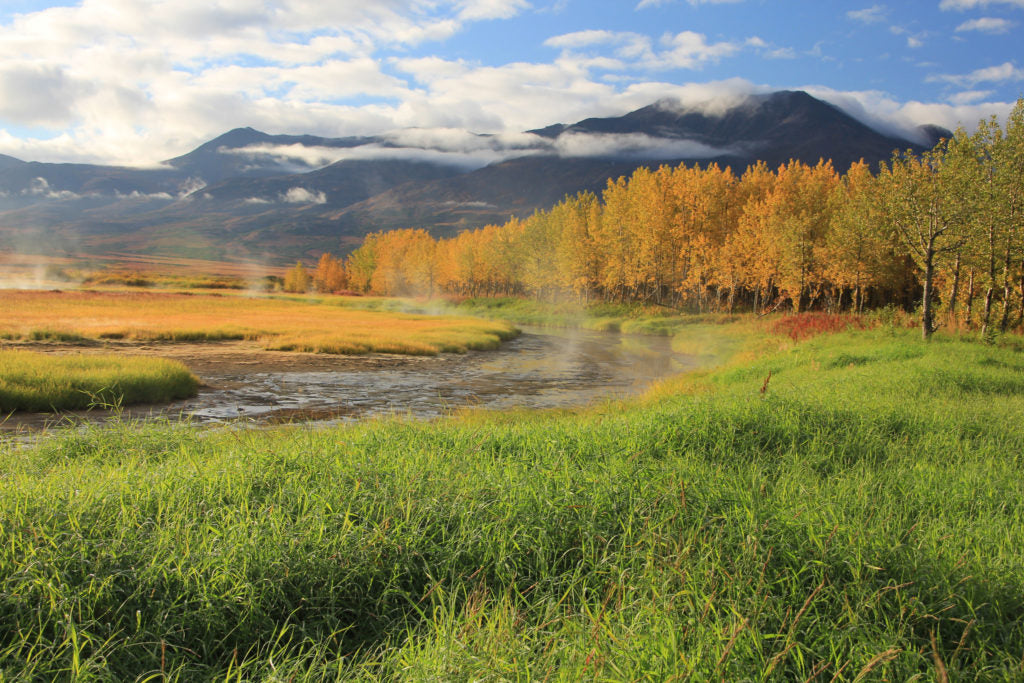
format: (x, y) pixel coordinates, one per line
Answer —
(541, 368)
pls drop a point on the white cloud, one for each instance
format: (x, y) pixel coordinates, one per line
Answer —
(36, 94)
(473, 10)
(869, 15)
(684, 50)
(40, 187)
(632, 146)
(1001, 73)
(971, 4)
(458, 140)
(914, 42)
(880, 111)
(135, 194)
(584, 38)
(987, 25)
(970, 96)
(133, 81)
(300, 195)
(317, 157)
(690, 50)
(657, 3)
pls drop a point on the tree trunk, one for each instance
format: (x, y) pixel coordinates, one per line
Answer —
(954, 290)
(987, 314)
(1020, 312)
(1004, 320)
(929, 273)
(970, 297)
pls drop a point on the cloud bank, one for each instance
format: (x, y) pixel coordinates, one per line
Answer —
(132, 82)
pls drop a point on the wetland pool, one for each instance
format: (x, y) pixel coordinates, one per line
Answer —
(541, 368)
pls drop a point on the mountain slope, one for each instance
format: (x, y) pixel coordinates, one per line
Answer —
(278, 197)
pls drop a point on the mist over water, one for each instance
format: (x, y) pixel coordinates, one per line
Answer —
(539, 369)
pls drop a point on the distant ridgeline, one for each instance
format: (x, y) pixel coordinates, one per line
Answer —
(943, 226)
(275, 198)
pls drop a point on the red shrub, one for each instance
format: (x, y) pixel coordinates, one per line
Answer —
(806, 325)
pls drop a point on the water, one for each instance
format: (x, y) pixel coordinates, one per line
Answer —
(539, 369)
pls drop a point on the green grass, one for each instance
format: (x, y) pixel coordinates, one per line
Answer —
(46, 382)
(602, 317)
(861, 519)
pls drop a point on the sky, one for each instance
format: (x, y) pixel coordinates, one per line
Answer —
(134, 82)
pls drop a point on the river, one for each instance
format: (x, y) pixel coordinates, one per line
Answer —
(541, 368)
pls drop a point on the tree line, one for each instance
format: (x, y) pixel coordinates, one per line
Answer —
(940, 229)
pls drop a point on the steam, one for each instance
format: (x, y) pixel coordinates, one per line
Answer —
(36, 276)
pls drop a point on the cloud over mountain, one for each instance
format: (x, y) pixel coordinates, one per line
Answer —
(133, 81)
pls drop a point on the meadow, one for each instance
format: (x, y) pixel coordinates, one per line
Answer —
(46, 382)
(276, 324)
(846, 507)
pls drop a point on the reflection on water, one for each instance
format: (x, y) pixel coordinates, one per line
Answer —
(539, 369)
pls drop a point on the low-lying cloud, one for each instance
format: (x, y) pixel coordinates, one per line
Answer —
(451, 147)
(632, 146)
(300, 195)
(464, 156)
(40, 187)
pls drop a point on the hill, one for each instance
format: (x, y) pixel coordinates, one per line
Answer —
(248, 194)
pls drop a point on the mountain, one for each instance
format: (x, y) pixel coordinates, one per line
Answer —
(249, 194)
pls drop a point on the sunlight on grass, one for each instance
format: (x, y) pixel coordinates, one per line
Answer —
(858, 517)
(283, 324)
(45, 382)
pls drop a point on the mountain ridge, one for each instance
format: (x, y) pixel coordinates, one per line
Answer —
(277, 197)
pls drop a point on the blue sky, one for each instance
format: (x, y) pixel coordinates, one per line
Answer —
(136, 81)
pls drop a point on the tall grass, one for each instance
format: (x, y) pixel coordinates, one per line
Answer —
(276, 323)
(858, 516)
(45, 382)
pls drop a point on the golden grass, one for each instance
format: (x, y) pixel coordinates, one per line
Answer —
(275, 323)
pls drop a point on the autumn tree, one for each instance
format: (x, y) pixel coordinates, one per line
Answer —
(362, 263)
(707, 212)
(404, 263)
(1011, 179)
(330, 275)
(577, 253)
(752, 242)
(297, 279)
(857, 252)
(997, 186)
(918, 197)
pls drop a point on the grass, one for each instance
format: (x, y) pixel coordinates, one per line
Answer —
(45, 382)
(601, 317)
(847, 508)
(283, 324)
